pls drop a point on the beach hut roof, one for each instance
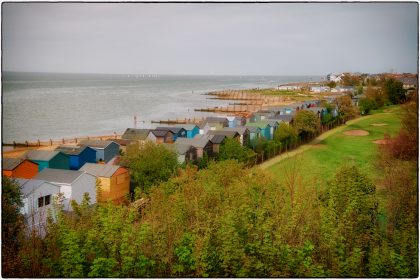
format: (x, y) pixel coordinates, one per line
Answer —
(226, 133)
(240, 129)
(218, 138)
(199, 141)
(174, 130)
(27, 186)
(100, 170)
(71, 149)
(135, 134)
(99, 144)
(160, 133)
(261, 124)
(12, 163)
(59, 175)
(41, 155)
(179, 148)
(284, 118)
(186, 126)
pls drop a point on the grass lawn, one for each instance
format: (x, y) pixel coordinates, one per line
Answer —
(319, 162)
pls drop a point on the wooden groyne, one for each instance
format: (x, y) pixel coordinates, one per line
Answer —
(240, 109)
(180, 121)
(56, 142)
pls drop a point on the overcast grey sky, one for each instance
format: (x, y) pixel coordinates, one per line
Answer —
(238, 39)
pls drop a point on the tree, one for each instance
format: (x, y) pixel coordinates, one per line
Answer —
(151, 165)
(332, 84)
(346, 108)
(306, 123)
(395, 91)
(232, 149)
(350, 80)
(377, 95)
(366, 104)
(286, 135)
(352, 218)
(11, 226)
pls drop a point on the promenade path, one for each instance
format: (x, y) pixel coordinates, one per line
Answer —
(311, 144)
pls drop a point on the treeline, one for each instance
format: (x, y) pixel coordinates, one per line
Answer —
(385, 91)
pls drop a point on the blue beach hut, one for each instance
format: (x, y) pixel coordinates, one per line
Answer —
(78, 155)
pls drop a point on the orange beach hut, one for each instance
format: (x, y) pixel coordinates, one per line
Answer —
(19, 168)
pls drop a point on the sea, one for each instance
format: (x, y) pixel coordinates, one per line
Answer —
(55, 105)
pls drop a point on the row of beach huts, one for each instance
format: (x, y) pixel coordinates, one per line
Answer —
(91, 166)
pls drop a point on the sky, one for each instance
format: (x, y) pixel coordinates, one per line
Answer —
(210, 38)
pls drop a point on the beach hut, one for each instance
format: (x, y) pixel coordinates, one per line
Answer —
(19, 168)
(185, 152)
(191, 129)
(217, 140)
(265, 127)
(231, 121)
(78, 155)
(177, 131)
(134, 134)
(37, 198)
(73, 184)
(48, 159)
(244, 134)
(283, 118)
(105, 150)
(161, 136)
(201, 145)
(114, 181)
(227, 133)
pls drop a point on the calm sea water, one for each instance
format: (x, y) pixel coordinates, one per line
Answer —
(43, 106)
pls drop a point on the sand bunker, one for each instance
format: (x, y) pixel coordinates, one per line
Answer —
(381, 141)
(356, 132)
(378, 124)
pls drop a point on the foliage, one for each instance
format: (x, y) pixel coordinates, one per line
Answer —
(346, 108)
(11, 224)
(232, 149)
(366, 104)
(410, 126)
(332, 84)
(204, 161)
(350, 80)
(306, 124)
(151, 164)
(395, 91)
(286, 135)
(377, 95)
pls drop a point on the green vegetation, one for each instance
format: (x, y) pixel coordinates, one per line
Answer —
(11, 226)
(286, 135)
(232, 149)
(150, 165)
(307, 124)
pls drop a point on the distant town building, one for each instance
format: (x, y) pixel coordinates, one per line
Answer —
(334, 77)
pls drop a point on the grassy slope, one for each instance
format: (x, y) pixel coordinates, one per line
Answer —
(319, 161)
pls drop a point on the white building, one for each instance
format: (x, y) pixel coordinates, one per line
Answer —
(334, 77)
(320, 89)
(73, 184)
(37, 198)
